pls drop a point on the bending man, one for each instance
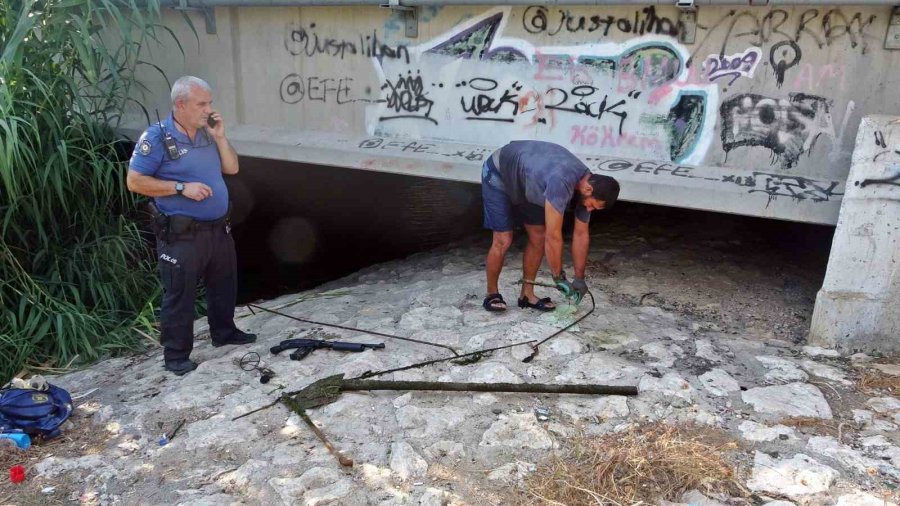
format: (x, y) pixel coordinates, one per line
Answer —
(532, 183)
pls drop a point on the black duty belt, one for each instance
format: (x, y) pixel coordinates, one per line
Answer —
(183, 224)
(167, 226)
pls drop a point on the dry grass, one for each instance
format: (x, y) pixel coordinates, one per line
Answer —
(642, 465)
(83, 438)
(817, 426)
(876, 380)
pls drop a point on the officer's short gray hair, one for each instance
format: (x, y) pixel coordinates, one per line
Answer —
(181, 90)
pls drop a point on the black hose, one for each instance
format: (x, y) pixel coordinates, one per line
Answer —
(529, 358)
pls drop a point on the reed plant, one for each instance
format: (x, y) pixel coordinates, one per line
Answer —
(77, 281)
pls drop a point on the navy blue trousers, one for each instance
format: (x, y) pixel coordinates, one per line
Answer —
(205, 252)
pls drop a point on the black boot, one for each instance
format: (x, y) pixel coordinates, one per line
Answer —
(236, 337)
(180, 367)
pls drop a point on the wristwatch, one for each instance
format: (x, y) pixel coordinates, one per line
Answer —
(179, 187)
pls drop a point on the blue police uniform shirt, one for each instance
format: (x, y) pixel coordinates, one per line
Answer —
(199, 163)
(538, 171)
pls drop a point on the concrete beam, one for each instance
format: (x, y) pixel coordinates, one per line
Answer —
(857, 307)
(763, 192)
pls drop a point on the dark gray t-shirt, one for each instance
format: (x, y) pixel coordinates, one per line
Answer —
(537, 171)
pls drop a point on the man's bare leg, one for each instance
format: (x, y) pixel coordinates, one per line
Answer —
(494, 262)
(531, 260)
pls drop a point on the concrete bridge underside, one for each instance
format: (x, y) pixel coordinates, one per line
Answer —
(748, 110)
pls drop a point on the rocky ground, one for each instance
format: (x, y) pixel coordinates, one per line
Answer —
(710, 325)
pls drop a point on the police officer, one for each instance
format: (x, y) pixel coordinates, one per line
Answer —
(179, 162)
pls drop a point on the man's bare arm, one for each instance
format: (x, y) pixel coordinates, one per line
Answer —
(581, 240)
(227, 153)
(153, 187)
(553, 242)
(228, 156)
(149, 185)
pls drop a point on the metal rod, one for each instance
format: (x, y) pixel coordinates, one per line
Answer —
(257, 410)
(342, 459)
(534, 388)
(536, 283)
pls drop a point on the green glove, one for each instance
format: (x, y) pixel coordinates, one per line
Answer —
(563, 285)
(581, 289)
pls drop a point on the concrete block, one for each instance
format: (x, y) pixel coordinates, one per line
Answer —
(856, 309)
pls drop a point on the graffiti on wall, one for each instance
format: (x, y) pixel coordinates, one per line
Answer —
(785, 185)
(735, 28)
(304, 40)
(885, 152)
(733, 67)
(405, 98)
(538, 19)
(642, 96)
(787, 127)
(472, 84)
(429, 148)
(295, 88)
(771, 185)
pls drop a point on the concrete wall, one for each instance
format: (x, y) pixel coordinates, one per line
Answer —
(858, 308)
(756, 116)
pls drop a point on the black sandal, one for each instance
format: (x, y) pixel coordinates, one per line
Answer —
(491, 301)
(540, 305)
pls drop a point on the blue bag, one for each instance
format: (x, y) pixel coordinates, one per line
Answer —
(34, 412)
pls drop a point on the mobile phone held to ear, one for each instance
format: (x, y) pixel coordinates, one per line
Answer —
(211, 121)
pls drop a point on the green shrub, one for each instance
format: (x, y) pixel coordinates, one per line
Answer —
(76, 279)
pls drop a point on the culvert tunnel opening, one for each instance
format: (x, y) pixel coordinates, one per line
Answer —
(299, 225)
